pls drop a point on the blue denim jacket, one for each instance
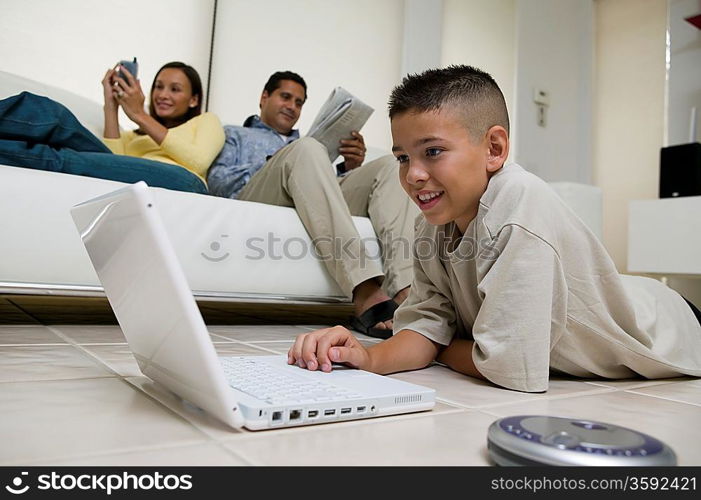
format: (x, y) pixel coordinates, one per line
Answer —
(245, 151)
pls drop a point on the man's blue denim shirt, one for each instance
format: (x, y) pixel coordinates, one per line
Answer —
(245, 151)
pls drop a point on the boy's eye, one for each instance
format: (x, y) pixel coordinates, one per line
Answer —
(432, 152)
(402, 158)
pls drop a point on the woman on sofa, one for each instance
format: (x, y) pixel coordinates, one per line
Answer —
(172, 148)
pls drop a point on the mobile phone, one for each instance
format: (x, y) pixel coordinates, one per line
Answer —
(131, 66)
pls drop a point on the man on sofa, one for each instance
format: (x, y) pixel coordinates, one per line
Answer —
(266, 161)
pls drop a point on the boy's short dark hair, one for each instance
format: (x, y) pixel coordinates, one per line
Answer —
(273, 82)
(470, 91)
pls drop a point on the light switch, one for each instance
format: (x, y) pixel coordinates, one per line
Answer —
(541, 97)
(542, 100)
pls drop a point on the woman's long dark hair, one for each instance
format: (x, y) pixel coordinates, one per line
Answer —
(195, 84)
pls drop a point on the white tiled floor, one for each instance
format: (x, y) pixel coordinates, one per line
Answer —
(73, 395)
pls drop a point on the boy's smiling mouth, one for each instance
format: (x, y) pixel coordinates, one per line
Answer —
(428, 199)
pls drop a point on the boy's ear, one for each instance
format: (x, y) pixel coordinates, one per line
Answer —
(498, 141)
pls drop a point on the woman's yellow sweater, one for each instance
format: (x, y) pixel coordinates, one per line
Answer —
(193, 145)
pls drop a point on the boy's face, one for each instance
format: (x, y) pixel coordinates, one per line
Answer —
(442, 167)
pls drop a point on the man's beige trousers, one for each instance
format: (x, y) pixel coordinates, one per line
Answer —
(301, 176)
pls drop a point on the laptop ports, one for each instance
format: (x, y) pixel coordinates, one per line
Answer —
(330, 412)
(312, 414)
(346, 411)
(277, 417)
(360, 409)
(295, 415)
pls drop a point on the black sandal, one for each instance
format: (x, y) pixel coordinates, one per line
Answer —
(365, 323)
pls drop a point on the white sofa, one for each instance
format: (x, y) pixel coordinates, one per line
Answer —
(230, 250)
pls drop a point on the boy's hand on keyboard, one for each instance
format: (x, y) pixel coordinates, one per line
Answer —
(318, 349)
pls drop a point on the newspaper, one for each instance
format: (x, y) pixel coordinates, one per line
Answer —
(338, 117)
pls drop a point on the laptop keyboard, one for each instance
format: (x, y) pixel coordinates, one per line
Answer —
(274, 386)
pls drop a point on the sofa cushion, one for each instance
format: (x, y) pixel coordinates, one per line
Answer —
(88, 112)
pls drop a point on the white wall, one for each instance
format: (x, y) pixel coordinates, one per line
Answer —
(555, 44)
(71, 43)
(357, 45)
(684, 88)
(629, 110)
(483, 34)
(422, 41)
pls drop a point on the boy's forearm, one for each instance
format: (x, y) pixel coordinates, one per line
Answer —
(406, 350)
(458, 356)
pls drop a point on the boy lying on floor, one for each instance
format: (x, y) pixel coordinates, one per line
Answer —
(509, 285)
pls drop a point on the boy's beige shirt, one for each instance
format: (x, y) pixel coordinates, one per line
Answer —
(537, 291)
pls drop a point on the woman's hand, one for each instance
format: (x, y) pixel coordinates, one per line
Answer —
(108, 90)
(129, 94)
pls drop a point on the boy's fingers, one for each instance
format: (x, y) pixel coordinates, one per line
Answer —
(295, 351)
(347, 355)
(340, 354)
(304, 350)
(337, 336)
(309, 352)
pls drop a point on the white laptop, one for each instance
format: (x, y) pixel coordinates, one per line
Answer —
(147, 289)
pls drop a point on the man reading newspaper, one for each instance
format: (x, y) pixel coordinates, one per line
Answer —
(267, 161)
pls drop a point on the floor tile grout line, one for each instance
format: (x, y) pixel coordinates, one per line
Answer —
(64, 344)
(635, 384)
(227, 339)
(260, 347)
(486, 412)
(243, 456)
(54, 379)
(84, 351)
(221, 445)
(592, 392)
(57, 344)
(263, 341)
(664, 398)
(106, 344)
(112, 373)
